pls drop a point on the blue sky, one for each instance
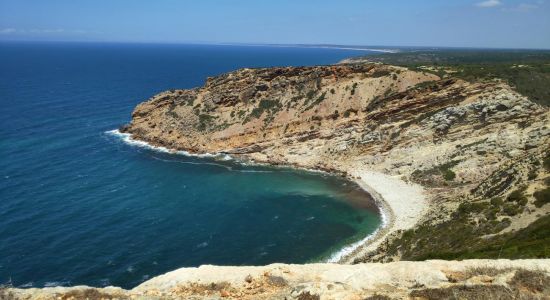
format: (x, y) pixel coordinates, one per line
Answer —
(459, 23)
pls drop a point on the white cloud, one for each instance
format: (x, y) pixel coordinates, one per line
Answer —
(45, 31)
(58, 30)
(523, 7)
(526, 6)
(7, 30)
(489, 3)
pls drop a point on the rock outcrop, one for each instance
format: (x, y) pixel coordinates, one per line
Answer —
(474, 279)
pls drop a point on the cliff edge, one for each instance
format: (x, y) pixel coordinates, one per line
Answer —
(472, 279)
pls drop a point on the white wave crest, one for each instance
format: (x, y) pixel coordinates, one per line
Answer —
(127, 138)
(56, 283)
(347, 250)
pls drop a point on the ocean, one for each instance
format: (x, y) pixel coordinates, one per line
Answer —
(80, 205)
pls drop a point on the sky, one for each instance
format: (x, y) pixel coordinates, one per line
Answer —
(434, 23)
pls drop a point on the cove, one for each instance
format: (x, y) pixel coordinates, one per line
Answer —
(81, 206)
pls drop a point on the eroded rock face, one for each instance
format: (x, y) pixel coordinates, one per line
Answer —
(261, 106)
(473, 279)
(372, 113)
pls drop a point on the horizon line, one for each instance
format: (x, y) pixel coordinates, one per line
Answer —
(351, 47)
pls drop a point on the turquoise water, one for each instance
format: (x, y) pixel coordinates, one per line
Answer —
(80, 206)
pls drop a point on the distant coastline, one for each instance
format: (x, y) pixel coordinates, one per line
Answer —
(320, 46)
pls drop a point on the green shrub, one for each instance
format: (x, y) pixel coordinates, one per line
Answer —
(445, 170)
(353, 87)
(518, 196)
(511, 209)
(542, 197)
(466, 208)
(380, 73)
(348, 112)
(497, 201)
(449, 175)
(319, 99)
(190, 101)
(546, 161)
(205, 121)
(265, 105)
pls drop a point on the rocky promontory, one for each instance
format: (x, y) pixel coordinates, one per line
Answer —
(477, 151)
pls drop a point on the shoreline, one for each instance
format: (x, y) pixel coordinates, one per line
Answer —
(402, 203)
(348, 253)
(387, 192)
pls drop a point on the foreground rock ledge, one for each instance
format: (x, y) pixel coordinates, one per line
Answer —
(484, 279)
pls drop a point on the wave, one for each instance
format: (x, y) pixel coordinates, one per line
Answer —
(56, 283)
(202, 245)
(349, 249)
(229, 168)
(26, 285)
(127, 138)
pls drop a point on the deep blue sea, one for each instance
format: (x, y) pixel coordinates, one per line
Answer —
(80, 206)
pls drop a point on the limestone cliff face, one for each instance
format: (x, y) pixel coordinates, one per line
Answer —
(385, 118)
(251, 110)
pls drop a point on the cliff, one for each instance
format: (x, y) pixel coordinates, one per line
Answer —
(477, 150)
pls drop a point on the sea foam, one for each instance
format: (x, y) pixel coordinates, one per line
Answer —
(349, 249)
(127, 138)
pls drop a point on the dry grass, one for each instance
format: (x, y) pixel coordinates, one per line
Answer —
(524, 284)
(378, 297)
(89, 294)
(5, 294)
(308, 296)
(532, 281)
(476, 292)
(485, 271)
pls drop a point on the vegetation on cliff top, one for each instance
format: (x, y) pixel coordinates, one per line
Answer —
(473, 230)
(528, 71)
